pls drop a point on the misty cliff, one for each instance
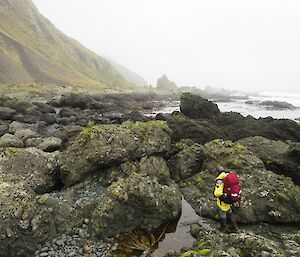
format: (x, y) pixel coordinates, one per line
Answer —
(32, 50)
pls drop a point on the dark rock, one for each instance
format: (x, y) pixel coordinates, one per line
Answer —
(277, 105)
(136, 202)
(134, 116)
(49, 118)
(108, 145)
(33, 110)
(25, 118)
(45, 108)
(9, 140)
(7, 113)
(197, 107)
(3, 129)
(276, 155)
(267, 197)
(67, 112)
(196, 130)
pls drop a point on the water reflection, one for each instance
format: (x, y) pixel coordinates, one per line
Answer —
(171, 236)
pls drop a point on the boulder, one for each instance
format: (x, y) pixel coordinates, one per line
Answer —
(267, 197)
(135, 202)
(3, 129)
(101, 146)
(184, 127)
(24, 118)
(15, 125)
(7, 113)
(194, 106)
(277, 156)
(9, 140)
(45, 108)
(134, 116)
(18, 207)
(50, 144)
(187, 162)
(24, 134)
(49, 118)
(33, 142)
(31, 166)
(153, 166)
(67, 112)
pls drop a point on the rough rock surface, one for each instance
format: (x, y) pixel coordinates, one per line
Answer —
(267, 197)
(277, 156)
(135, 202)
(103, 145)
(30, 166)
(9, 140)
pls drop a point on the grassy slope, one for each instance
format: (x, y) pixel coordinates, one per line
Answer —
(50, 52)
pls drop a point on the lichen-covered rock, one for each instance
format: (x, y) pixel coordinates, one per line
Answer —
(31, 166)
(187, 162)
(107, 145)
(153, 166)
(196, 107)
(135, 202)
(50, 144)
(17, 210)
(9, 140)
(267, 197)
(276, 155)
(24, 134)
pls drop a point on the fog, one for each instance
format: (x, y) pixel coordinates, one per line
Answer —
(246, 45)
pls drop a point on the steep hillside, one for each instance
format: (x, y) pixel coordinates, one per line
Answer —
(33, 50)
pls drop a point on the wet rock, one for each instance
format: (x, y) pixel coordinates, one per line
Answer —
(50, 144)
(108, 145)
(277, 105)
(134, 116)
(30, 166)
(49, 118)
(276, 155)
(9, 140)
(196, 107)
(137, 201)
(7, 113)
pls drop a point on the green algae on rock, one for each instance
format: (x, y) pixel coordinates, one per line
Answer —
(101, 146)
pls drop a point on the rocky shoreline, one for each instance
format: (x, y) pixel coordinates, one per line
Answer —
(77, 170)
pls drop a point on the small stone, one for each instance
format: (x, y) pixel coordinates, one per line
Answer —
(44, 254)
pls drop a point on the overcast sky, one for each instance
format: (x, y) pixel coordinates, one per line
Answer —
(238, 44)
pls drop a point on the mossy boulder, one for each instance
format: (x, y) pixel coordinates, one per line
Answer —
(101, 146)
(187, 162)
(135, 202)
(9, 140)
(267, 197)
(278, 156)
(31, 166)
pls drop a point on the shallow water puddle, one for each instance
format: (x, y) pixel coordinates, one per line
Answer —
(170, 236)
(180, 237)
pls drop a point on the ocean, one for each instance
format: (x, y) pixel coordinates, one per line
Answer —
(255, 110)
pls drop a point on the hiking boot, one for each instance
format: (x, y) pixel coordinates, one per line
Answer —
(233, 224)
(223, 227)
